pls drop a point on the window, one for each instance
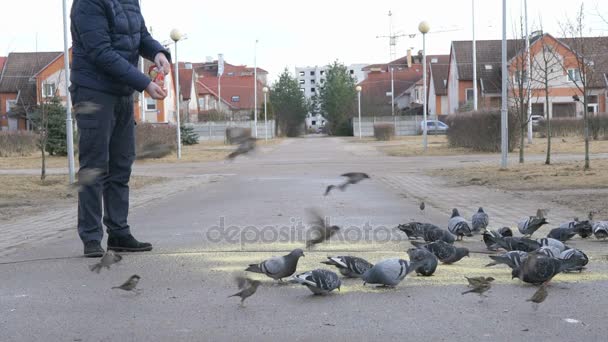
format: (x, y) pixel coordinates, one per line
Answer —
(235, 98)
(520, 76)
(488, 66)
(469, 94)
(302, 73)
(322, 80)
(302, 81)
(574, 75)
(313, 122)
(9, 104)
(230, 73)
(48, 89)
(312, 81)
(433, 60)
(352, 72)
(150, 103)
(312, 73)
(312, 90)
(201, 103)
(302, 89)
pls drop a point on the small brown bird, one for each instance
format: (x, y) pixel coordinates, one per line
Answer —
(481, 289)
(154, 150)
(130, 284)
(351, 178)
(108, 259)
(479, 281)
(319, 230)
(247, 286)
(539, 296)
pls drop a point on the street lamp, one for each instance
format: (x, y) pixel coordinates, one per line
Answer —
(504, 121)
(68, 118)
(176, 36)
(424, 28)
(358, 88)
(265, 90)
(255, 89)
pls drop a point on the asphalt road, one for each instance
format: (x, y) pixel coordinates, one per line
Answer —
(48, 293)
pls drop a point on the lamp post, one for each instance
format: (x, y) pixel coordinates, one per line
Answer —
(359, 102)
(424, 28)
(69, 128)
(255, 90)
(504, 143)
(474, 61)
(176, 36)
(265, 90)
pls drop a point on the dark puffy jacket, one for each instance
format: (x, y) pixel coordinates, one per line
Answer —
(108, 36)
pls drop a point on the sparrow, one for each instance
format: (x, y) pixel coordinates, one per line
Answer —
(130, 284)
(108, 259)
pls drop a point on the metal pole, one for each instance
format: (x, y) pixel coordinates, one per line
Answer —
(392, 92)
(142, 96)
(255, 90)
(68, 105)
(265, 118)
(179, 134)
(219, 92)
(528, 74)
(359, 100)
(425, 126)
(504, 146)
(475, 101)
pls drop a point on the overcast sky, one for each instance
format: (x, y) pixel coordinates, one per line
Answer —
(290, 33)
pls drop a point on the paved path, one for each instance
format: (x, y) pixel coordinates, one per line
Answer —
(47, 291)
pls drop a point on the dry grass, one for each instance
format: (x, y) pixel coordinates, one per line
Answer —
(560, 176)
(202, 152)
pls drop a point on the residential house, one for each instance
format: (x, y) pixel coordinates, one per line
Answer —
(438, 81)
(311, 79)
(19, 86)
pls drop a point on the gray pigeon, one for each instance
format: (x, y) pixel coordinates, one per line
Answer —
(480, 220)
(446, 253)
(505, 231)
(489, 238)
(319, 231)
(87, 177)
(553, 243)
(577, 255)
(550, 251)
(352, 178)
(539, 269)
(245, 146)
(513, 259)
(600, 230)
(319, 281)
(517, 243)
(562, 234)
(583, 228)
(278, 267)
(428, 231)
(108, 259)
(388, 272)
(247, 286)
(349, 266)
(458, 226)
(426, 261)
(531, 224)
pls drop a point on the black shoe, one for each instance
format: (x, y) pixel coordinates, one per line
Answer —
(127, 243)
(92, 249)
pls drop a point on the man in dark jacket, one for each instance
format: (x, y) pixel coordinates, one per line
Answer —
(108, 36)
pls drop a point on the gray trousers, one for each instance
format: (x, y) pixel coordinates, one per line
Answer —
(106, 142)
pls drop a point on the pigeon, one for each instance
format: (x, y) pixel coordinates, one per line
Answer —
(538, 269)
(245, 146)
(130, 284)
(505, 231)
(388, 272)
(319, 230)
(154, 150)
(479, 281)
(352, 178)
(480, 221)
(531, 224)
(553, 243)
(432, 235)
(562, 234)
(539, 296)
(550, 251)
(422, 206)
(85, 107)
(489, 238)
(576, 255)
(600, 230)
(479, 289)
(583, 228)
(446, 253)
(349, 266)
(86, 176)
(108, 259)
(247, 286)
(426, 261)
(278, 267)
(429, 232)
(513, 259)
(458, 226)
(517, 243)
(319, 281)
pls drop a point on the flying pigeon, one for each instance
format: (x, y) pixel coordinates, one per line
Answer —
(352, 178)
(278, 267)
(154, 150)
(531, 224)
(480, 220)
(130, 284)
(86, 176)
(513, 259)
(575, 255)
(538, 269)
(319, 230)
(458, 226)
(426, 261)
(319, 281)
(108, 259)
(349, 266)
(245, 146)
(446, 253)
(247, 286)
(388, 272)
(600, 230)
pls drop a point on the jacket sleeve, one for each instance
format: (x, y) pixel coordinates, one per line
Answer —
(148, 46)
(91, 23)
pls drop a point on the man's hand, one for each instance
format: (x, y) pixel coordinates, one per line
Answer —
(162, 63)
(155, 91)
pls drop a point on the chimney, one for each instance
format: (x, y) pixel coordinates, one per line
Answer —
(409, 58)
(188, 66)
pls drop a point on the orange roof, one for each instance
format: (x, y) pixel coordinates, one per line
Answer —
(237, 92)
(378, 84)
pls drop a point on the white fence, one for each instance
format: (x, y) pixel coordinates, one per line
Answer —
(404, 125)
(216, 130)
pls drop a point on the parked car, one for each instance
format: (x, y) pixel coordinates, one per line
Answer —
(433, 127)
(536, 119)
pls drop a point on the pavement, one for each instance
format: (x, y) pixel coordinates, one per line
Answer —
(210, 220)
